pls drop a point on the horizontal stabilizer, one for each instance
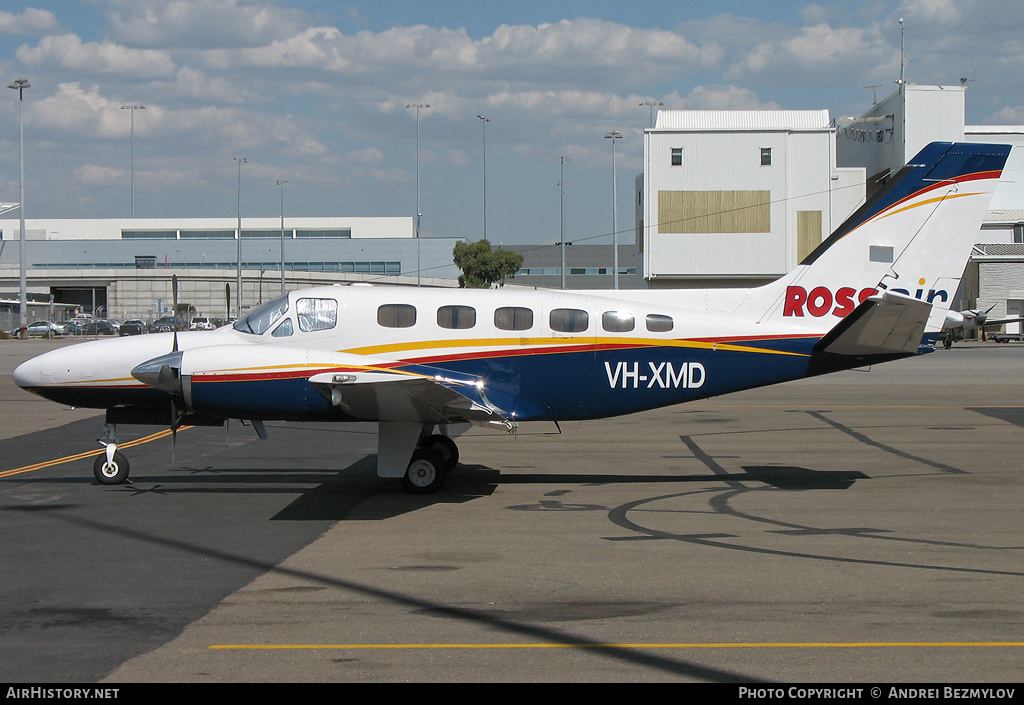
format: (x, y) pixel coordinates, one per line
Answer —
(890, 324)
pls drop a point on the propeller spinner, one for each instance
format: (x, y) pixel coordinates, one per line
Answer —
(163, 373)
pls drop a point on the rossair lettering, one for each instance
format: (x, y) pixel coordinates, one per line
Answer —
(663, 375)
(821, 301)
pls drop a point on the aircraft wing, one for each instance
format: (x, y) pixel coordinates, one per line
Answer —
(890, 324)
(257, 381)
(410, 394)
(1001, 321)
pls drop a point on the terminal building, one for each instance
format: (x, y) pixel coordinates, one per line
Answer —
(127, 268)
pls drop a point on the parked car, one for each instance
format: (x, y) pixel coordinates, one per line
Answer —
(41, 329)
(200, 323)
(133, 327)
(163, 325)
(100, 327)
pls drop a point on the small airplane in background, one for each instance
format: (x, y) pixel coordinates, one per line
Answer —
(958, 321)
(423, 363)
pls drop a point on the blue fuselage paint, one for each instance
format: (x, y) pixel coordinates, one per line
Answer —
(587, 384)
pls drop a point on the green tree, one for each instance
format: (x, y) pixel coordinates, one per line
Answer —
(183, 313)
(482, 267)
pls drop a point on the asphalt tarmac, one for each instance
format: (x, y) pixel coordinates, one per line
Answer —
(864, 527)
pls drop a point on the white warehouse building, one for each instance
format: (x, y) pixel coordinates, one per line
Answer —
(738, 197)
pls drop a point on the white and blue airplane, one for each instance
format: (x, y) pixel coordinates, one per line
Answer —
(423, 362)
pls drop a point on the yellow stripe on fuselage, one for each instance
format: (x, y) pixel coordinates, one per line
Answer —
(928, 201)
(571, 342)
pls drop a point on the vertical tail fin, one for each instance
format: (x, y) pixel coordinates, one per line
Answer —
(912, 238)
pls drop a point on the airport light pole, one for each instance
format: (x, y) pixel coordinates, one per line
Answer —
(561, 217)
(651, 104)
(131, 151)
(281, 184)
(238, 243)
(419, 215)
(485, 121)
(614, 135)
(20, 85)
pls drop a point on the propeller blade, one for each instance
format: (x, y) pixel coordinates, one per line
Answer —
(174, 287)
(174, 432)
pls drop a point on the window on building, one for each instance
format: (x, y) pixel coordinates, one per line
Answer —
(656, 323)
(1018, 232)
(316, 314)
(617, 321)
(677, 156)
(458, 317)
(766, 156)
(396, 316)
(513, 318)
(568, 320)
(324, 233)
(147, 234)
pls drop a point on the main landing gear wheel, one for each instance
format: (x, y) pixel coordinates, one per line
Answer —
(113, 473)
(426, 472)
(446, 447)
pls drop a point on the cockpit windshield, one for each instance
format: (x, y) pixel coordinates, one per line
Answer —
(260, 320)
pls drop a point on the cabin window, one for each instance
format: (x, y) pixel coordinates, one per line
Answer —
(513, 318)
(766, 156)
(677, 156)
(396, 316)
(656, 323)
(568, 320)
(618, 321)
(283, 330)
(316, 314)
(458, 317)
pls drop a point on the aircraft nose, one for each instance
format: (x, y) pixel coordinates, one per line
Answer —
(28, 374)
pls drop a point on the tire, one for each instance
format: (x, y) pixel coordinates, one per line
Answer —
(113, 474)
(426, 472)
(446, 447)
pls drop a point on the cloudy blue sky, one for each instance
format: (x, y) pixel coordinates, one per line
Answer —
(315, 93)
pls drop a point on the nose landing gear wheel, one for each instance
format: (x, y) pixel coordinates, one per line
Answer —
(113, 473)
(426, 472)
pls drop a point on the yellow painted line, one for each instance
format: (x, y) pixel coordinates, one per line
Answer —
(88, 454)
(823, 405)
(724, 645)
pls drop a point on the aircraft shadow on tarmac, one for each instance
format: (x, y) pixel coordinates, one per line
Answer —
(1009, 414)
(346, 496)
